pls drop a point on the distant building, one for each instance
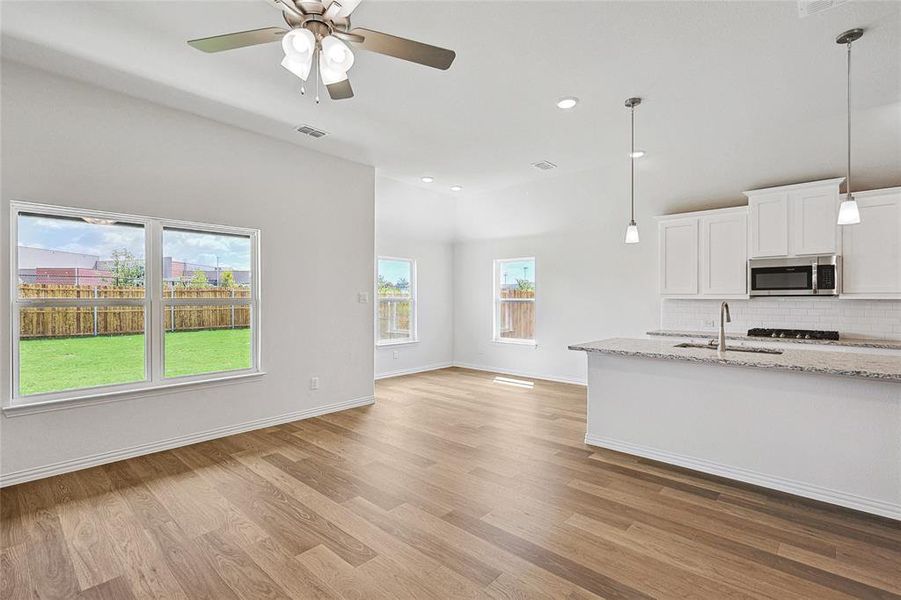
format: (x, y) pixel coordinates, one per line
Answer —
(40, 265)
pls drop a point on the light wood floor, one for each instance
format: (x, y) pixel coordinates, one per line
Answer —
(450, 486)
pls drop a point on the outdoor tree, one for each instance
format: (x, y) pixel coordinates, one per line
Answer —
(227, 279)
(402, 284)
(198, 280)
(524, 285)
(127, 271)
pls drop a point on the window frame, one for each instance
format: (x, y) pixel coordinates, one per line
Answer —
(414, 304)
(153, 304)
(497, 301)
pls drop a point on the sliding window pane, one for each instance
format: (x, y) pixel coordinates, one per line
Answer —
(396, 300)
(206, 339)
(67, 257)
(66, 348)
(515, 300)
(199, 264)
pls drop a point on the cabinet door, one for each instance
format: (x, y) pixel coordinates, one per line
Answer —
(678, 240)
(871, 250)
(769, 224)
(813, 227)
(724, 254)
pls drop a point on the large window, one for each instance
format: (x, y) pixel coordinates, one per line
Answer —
(514, 300)
(396, 301)
(107, 303)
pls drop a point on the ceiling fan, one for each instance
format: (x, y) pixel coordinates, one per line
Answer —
(318, 33)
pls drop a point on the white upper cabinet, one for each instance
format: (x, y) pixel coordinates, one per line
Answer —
(769, 224)
(723, 258)
(704, 254)
(871, 250)
(794, 220)
(678, 245)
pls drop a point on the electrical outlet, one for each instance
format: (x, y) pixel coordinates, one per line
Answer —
(396, 354)
(314, 383)
(363, 297)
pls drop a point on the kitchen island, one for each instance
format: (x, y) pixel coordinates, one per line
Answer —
(820, 424)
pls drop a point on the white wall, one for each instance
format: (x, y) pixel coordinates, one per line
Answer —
(74, 144)
(413, 222)
(589, 284)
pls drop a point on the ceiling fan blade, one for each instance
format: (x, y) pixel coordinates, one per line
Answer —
(348, 37)
(340, 90)
(287, 6)
(230, 41)
(398, 47)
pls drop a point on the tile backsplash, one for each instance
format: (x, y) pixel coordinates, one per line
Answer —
(879, 319)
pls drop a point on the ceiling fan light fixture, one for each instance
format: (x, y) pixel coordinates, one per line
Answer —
(336, 55)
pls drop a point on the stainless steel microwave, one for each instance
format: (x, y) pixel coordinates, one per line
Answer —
(798, 276)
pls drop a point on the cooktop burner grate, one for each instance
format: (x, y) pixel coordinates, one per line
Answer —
(798, 334)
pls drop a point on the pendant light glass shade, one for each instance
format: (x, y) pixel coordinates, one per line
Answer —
(632, 233)
(848, 213)
(336, 55)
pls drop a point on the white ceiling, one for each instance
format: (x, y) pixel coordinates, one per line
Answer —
(736, 94)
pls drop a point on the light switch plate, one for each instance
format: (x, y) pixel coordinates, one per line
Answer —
(363, 297)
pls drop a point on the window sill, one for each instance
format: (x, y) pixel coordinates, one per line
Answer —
(398, 343)
(17, 410)
(512, 342)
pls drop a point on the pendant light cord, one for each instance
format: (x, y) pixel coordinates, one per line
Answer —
(848, 182)
(632, 163)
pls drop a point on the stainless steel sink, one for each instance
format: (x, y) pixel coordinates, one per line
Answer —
(712, 346)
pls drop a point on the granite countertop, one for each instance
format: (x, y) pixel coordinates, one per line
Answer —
(850, 342)
(884, 367)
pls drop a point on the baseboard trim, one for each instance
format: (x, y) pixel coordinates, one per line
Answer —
(423, 369)
(76, 464)
(503, 371)
(798, 488)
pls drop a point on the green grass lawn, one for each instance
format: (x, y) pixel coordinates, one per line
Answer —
(52, 365)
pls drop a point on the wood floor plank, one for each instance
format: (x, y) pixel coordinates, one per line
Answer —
(452, 485)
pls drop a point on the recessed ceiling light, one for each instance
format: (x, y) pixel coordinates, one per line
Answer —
(427, 179)
(567, 102)
(637, 154)
(456, 188)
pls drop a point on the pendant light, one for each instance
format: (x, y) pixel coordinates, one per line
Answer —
(848, 213)
(632, 229)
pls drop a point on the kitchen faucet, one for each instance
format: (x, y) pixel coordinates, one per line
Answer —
(724, 308)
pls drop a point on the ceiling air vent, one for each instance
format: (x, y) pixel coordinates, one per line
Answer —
(311, 131)
(812, 7)
(544, 165)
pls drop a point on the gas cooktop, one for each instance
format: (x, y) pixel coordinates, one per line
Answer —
(798, 334)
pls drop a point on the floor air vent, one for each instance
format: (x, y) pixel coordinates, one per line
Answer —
(311, 131)
(544, 165)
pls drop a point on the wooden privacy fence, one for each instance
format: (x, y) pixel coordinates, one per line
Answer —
(517, 314)
(36, 322)
(394, 317)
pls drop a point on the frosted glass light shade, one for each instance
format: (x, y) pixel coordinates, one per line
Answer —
(632, 233)
(848, 214)
(298, 42)
(298, 66)
(329, 75)
(336, 55)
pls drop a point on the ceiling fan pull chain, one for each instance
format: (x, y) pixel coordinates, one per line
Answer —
(316, 58)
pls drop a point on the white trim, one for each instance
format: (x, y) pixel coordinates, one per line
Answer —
(102, 458)
(503, 371)
(389, 343)
(411, 371)
(795, 186)
(798, 488)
